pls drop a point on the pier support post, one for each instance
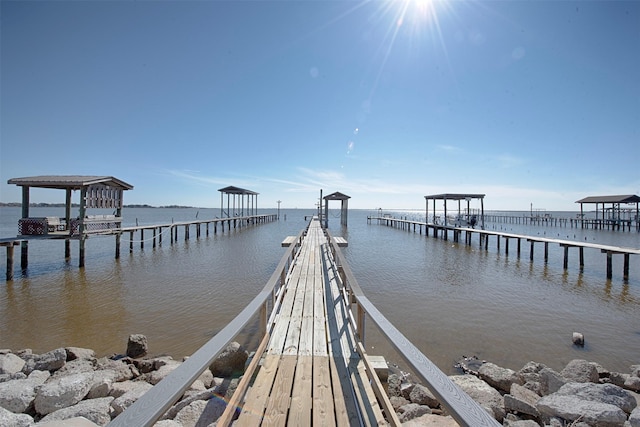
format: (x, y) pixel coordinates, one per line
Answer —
(625, 270)
(131, 242)
(581, 257)
(154, 238)
(546, 252)
(609, 264)
(142, 238)
(118, 246)
(531, 251)
(24, 255)
(10, 261)
(565, 263)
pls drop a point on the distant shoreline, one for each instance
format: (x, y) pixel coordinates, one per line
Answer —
(77, 205)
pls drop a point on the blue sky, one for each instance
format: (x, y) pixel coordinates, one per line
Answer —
(529, 102)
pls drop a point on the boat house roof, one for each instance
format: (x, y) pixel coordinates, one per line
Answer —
(628, 198)
(73, 182)
(336, 196)
(236, 190)
(454, 196)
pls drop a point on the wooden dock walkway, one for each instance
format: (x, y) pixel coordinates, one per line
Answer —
(484, 235)
(311, 367)
(312, 372)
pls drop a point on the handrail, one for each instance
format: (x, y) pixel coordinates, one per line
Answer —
(154, 403)
(462, 408)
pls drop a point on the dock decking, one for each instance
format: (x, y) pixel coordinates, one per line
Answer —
(310, 367)
(312, 372)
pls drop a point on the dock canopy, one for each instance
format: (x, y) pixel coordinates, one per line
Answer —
(100, 192)
(459, 197)
(73, 182)
(238, 210)
(344, 207)
(615, 213)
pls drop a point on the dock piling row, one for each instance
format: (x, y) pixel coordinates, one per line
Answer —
(444, 230)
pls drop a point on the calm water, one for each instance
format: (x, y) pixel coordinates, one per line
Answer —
(447, 298)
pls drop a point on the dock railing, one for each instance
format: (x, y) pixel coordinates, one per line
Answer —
(457, 403)
(154, 403)
(159, 399)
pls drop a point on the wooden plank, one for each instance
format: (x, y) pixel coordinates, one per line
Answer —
(301, 397)
(234, 403)
(258, 396)
(378, 389)
(341, 241)
(288, 241)
(345, 414)
(371, 411)
(278, 406)
(323, 411)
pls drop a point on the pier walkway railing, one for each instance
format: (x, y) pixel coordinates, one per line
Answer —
(310, 367)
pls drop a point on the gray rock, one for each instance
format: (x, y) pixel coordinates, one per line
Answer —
(618, 379)
(482, 393)
(531, 372)
(393, 385)
(10, 363)
(230, 361)
(154, 377)
(95, 410)
(167, 423)
(521, 400)
(580, 371)
(603, 393)
(11, 377)
(521, 423)
(398, 401)
(137, 346)
(574, 408)
(634, 418)
(122, 369)
(8, 418)
(51, 360)
(411, 411)
(62, 392)
(423, 396)
(69, 422)
(632, 383)
(123, 402)
(75, 366)
(550, 380)
(203, 395)
(102, 383)
(431, 420)
(200, 413)
(18, 395)
(578, 339)
(120, 388)
(74, 353)
(498, 377)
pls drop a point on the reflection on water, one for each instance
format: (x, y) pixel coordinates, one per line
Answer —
(448, 298)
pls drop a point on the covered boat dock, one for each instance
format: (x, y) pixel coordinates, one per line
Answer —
(101, 192)
(457, 197)
(609, 213)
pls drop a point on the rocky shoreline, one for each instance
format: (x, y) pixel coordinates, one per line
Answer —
(73, 384)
